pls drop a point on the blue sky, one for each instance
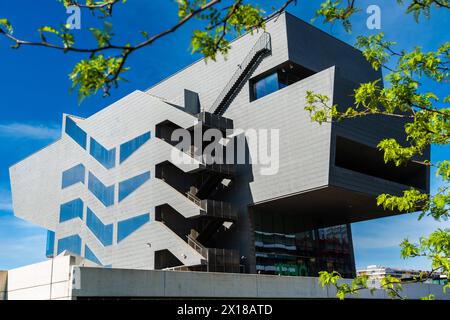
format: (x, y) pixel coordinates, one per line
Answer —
(34, 94)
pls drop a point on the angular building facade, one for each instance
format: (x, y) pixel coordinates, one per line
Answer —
(118, 189)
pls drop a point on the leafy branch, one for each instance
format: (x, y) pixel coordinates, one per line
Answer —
(102, 70)
(104, 6)
(427, 122)
(391, 285)
(339, 10)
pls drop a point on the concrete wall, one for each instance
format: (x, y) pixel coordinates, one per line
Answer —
(41, 281)
(70, 277)
(95, 282)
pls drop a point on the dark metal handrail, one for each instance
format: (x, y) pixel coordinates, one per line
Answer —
(263, 44)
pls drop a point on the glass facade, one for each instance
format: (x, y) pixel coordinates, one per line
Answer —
(76, 133)
(103, 193)
(71, 210)
(283, 76)
(266, 85)
(128, 148)
(106, 157)
(128, 186)
(128, 226)
(73, 176)
(283, 247)
(104, 233)
(50, 247)
(89, 254)
(71, 244)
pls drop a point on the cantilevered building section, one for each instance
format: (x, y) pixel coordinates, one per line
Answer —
(110, 191)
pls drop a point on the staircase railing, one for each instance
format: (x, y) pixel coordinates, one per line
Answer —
(197, 246)
(262, 45)
(194, 199)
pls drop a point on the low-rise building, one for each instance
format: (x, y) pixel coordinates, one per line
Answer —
(376, 273)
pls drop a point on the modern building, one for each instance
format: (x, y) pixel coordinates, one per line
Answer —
(118, 189)
(376, 273)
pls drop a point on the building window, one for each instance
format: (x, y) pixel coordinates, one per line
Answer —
(103, 193)
(277, 79)
(128, 186)
(73, 176)
(284, 246)
(265, 86)
(127, 227)
(71, 244)
(128, 148)
(106, 157)
(50, 247)
(89, 254)
(102, 232)
(71, 210)
(76, 133)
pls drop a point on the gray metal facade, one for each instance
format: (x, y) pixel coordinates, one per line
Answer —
(309, 182)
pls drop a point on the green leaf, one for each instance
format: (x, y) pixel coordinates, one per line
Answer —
(6, 26)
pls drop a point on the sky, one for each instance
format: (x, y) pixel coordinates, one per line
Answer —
(34, 90)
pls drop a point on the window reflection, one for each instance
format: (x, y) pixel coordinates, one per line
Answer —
(106, 157)
(73, 176)
(75, 132)
(282, 76)
(50, 247)
(266, 85)
(103, 193)
(282, 249)
(71, 210)
(129, 186)
(71, 244)
(89, 254)
(102, 232)
(128, 226)
(128, 148)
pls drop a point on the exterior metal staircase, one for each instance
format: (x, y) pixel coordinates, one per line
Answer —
(208, 218)
(216, 259)
(260, 49)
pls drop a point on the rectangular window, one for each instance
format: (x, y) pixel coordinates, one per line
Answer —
(73, 176)
(106, 157)
(285, 247)
(71, 244)
(276, 79)
(128, 148)
(103, 193)
(71, 210)
(266, 86)
(102, 232)
(50, 247)
(76, 133)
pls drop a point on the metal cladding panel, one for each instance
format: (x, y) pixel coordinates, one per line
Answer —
(304, 162)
